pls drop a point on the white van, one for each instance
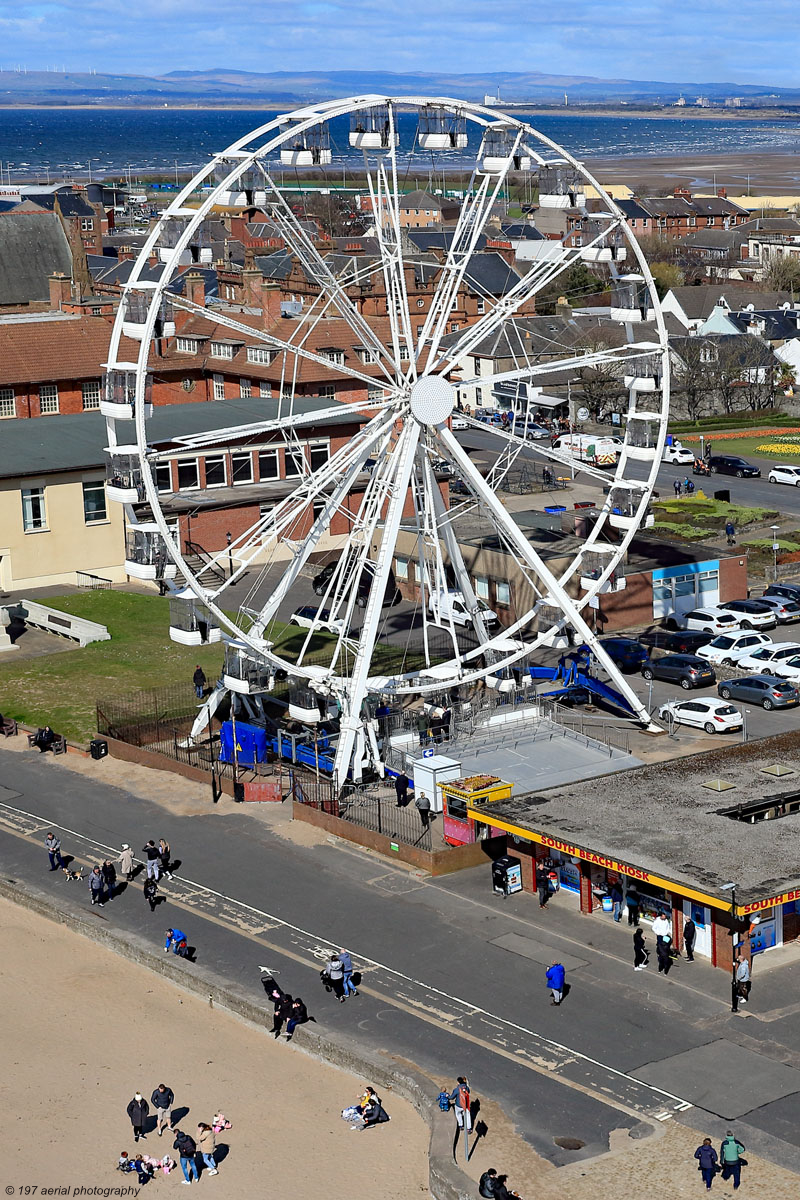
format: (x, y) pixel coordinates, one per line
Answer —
(451, 606)
(598, 450)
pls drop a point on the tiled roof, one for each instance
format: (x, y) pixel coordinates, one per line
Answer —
(33, 246)
(33, 352)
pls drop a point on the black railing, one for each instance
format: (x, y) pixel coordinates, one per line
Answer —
(209, 566)
(97, 583)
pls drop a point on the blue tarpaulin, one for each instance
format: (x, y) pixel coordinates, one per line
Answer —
(251, 743)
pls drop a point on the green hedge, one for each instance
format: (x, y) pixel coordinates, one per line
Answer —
(767, 417)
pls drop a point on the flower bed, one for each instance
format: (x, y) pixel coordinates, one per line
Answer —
(723, 436)
(779, 448)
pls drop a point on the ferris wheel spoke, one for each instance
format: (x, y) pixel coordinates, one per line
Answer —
(638, 354)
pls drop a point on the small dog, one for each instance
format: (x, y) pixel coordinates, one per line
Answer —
(73, 876)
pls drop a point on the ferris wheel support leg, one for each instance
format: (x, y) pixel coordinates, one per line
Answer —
(372, 741)
(207, 710)
(351, 721)
(517, 538)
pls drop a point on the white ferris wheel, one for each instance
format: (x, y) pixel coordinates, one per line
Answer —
(394, 461)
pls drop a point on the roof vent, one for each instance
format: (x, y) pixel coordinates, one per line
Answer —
(718, 785)
(777, 769)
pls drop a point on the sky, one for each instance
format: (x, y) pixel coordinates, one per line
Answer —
(670, 40)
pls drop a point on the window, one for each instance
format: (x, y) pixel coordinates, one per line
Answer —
(94, 502)
(245, 389)
(318, 454)
(317, 509)
(48, 398)
(454, 328)
(708, 354)
(163, 474)
(404, 353)
(265, 390)
(481, 303)
(502, 591)
(692, 221)
(333, 356)
(221, 350)
(8, 402)
(367, 356)
(34, 515)
(87, 224)
(260, 354)
(375, 395)
(294, 462)
(420, 330)
(186, 345)
(188, 477)
(420, 304)
(709, 220)
(242, 468)
(482, 587)
(327, 391)
(401, 568)
(268, 464)
(215, 471)
(219, 387)
(91, 394)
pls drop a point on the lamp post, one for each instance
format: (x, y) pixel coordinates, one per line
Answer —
(731, 887)
(775, 548)
(230, 553)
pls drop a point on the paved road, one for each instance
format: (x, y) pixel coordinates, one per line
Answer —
(453, 976)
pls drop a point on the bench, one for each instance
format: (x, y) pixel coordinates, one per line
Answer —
(8, 727)
(58, 745)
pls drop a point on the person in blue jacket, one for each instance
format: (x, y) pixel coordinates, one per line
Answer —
(707, 1160)
(555, 981)
(176, 938)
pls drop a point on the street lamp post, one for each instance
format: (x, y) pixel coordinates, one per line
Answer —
(731, 887)
(230, 554)
(775, 548)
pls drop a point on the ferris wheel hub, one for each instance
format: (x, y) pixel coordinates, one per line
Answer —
(432, 400)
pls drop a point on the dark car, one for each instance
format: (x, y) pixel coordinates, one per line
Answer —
(684, 641)
(789, 591)
(686, 669)
(392, 595)
(766, 690)
(731, 464)
(627, 653)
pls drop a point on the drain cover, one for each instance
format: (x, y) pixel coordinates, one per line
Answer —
(567, 1143)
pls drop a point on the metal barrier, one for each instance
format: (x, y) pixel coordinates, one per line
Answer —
(96, 583)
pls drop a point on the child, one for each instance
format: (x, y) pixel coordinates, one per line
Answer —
(150, 892)
(123, 1163)
(220, 1122)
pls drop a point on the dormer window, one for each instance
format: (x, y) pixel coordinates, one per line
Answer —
(187, 345)
(222, 350)
(261, 354)
(333, 356)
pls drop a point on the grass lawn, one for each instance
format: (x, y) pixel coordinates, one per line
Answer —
(746, 447)
(697, 517)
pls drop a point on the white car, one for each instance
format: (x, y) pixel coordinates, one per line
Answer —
(459, 423)
(768, 659)
(311, 617)
(751, 614)
(707, 620)
(788, 668)
(783, 473)
(728, 648)
(679, 455)
(712, 715)
(786, 611)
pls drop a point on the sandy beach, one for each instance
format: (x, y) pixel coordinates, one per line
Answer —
(753, 173)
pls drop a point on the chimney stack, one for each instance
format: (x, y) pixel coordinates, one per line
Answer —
(722, 193)
(60, 291)
(195, 288)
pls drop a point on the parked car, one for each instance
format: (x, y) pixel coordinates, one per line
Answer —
(790, 591)
(766, 690)
(309, 616)
(686, 669)
(788, 668)
(683, 642)
(786, 611)
(751, 614)
(783, 473)
(459, 422)
(709, 620)
(731, 464)
(536, 433)
(728, 648)
(714, 716)
(392, 595)
(768, 657)
(678, 455)
(627, 653)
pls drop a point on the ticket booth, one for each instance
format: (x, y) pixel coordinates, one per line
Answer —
(474, 792)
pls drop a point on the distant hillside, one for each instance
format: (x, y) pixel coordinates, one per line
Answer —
(222, 86)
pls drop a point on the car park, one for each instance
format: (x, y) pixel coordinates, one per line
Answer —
(728, 648)
(626, 653)
(678, 455)
(708, 620)
(709, 714)
(786, 611)
(751, 614)
(790, 591)
(783, 473)
(686, 669)
(766, 690)
(731, 464)
(767, 658)
(311, 617)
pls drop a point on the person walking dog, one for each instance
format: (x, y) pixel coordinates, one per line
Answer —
(53, 847)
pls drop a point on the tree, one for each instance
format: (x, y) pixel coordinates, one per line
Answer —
(573, 284)
(666, 275)
(602, 384)
(782, 274)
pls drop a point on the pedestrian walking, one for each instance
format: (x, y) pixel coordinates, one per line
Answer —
(138, 1111)
(689, 936)
(707, 450)
(282, 1011)
(109, 878)
(333, 975)
(207, 1144)
(187, 1149)
(423, 805)
(96, 887)
(422, 727)
(461, 1102)
(53, 847)
(730, 532)
(177, 940)
(153, 856)
(542, 886)
(632, 904)
(676, 483)
(707, 1160)
(615, 894)
(347, 967)
(163, 857)
(125, 861)
(730, 1156)
(299, 1017)
(743, 982)
(162, 1101)
(150, 890)
(486, 1183)
(401, 789)
(199, 681)
(555, 977)
(641, 955)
